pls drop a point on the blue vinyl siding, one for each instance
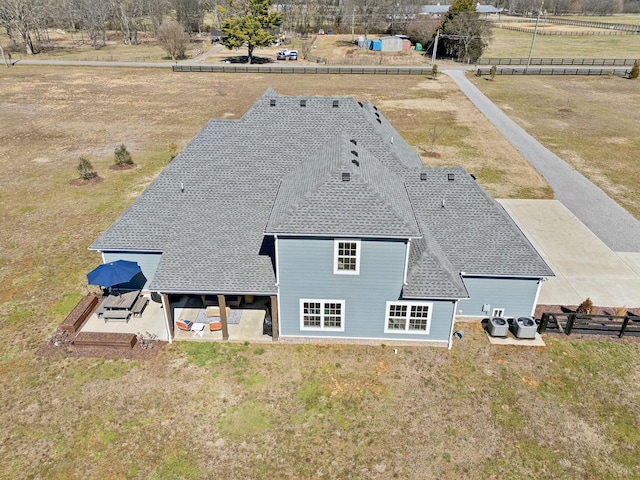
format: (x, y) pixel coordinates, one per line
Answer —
(148, 261)
(515, 295)
(306, 271)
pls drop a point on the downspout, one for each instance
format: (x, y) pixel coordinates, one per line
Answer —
(275, 253)
(535, 301)
(453, 321)
(166, 307)
(406, 261)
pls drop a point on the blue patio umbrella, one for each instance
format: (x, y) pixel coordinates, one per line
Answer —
(113, 273)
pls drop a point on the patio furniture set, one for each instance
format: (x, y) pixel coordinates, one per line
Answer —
(213, 320)
(121, 306)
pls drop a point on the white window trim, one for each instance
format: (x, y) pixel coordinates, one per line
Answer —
(406, 326)
(321, 328)
(498, 312)
(336, 244)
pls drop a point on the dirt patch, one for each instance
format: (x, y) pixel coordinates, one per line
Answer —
(430, 154)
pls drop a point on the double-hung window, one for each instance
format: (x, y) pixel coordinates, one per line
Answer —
(322, 315)
(346, 257)
(408, 317)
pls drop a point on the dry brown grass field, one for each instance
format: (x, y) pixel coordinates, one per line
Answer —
(242, 411)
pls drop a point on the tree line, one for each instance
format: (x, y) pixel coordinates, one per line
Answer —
(27, 22)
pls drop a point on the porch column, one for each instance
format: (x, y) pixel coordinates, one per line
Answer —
(223, 316)
(166, 306)
(274, 318)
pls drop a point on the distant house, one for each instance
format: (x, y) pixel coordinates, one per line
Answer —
(439, 10)
(320, 207)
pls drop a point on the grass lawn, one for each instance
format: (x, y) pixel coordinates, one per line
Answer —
(589, 122)
(288, 411)
(506, 43)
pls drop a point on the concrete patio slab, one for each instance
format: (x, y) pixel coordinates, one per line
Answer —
(583, 264)
(510, 339)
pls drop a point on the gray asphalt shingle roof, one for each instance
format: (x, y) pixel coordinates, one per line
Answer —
(279, 169)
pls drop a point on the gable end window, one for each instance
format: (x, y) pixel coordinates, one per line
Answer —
(346, 257)
(408, 317)
(322, 315)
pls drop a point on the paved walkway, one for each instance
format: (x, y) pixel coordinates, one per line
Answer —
(616, 227)
(583, 264)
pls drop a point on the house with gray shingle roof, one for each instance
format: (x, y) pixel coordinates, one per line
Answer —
(320, 208)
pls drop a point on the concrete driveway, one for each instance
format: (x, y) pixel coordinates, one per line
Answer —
(583, 264)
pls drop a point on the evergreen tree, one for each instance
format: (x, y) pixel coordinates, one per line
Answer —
(252, 27)
(464, 34)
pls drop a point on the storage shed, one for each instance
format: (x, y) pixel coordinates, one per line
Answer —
(375, 45)
(391, 44)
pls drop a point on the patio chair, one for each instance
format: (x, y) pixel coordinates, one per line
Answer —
(184, 325)
(215, 326)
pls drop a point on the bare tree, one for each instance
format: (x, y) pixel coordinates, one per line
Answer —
(130, 14)
(21, 18)
(93, 17)
(173, 39)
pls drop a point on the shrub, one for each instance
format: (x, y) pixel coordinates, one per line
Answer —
(122, 156)
(173, 150)
(493, 72)
(585, 307)
(85, 169)
(434, 71)
(635, 70)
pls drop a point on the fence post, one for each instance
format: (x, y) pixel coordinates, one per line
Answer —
(544, 321)
(624, 326)
(571, 319)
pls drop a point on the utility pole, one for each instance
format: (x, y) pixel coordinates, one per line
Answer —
(533, 41)
(435, 48)
(353, 22)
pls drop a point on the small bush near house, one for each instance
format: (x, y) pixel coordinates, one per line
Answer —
(585, 307)
(85, 169)
(493, 72)
(635, 70)
(122, 156)
(434, 71)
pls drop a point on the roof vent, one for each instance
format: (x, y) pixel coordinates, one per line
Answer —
(443, 203)
(472, 176)
(182, 187)
(423, 176)
(353, 141)
(336, 103)
(375, 108)
(355, 162)
(450, 177)
(346, 176)
(392, 140)
(303, 103)
(272, 102)
(354, 153)
(361, 105)
(379, 121)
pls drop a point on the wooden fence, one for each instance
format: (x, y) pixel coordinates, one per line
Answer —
(558, 61)
(623, 27)
(568, 323)
(320, 69)
(569, 33)
(555, 71)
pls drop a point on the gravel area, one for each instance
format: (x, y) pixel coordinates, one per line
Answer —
(616, 227)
